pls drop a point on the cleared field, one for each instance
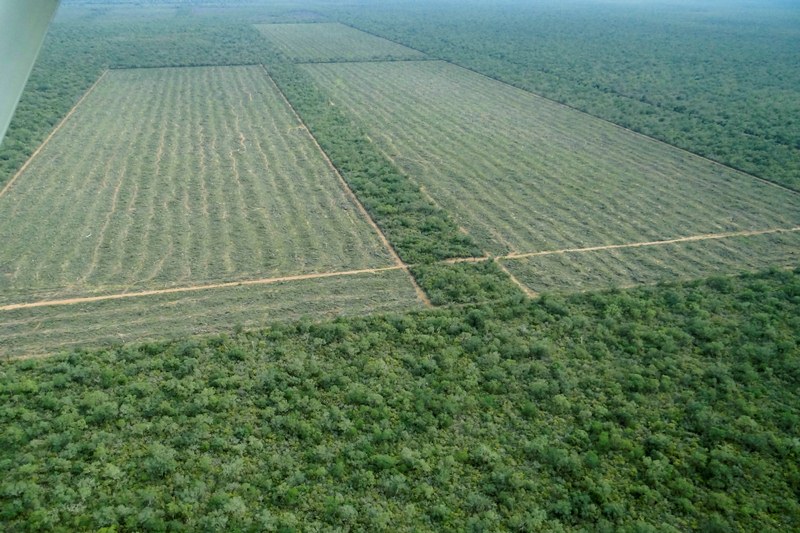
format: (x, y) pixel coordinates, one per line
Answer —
(173, 177)
(576, 271)
(38, 331)
(522, 174)
(320, 42)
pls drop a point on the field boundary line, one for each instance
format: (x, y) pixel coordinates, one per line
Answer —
(693, 238)
(52, 133)
(457, 260)
(352, 196)
(530, 293)
(673, 281)
(567, 106)
(195, 288)
(201, 65)
(346, 61)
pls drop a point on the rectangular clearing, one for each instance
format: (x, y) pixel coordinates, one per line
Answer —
(171, 177)
(523, 174)
(179, 177)
(332, 42)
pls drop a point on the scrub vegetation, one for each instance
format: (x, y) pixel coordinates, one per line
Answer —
(186, 263)
(673, 408)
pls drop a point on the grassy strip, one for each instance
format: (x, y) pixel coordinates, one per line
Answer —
(663, 409)
(600, 269)
(45, 330)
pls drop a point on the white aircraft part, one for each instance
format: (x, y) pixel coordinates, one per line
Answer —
(23, 24)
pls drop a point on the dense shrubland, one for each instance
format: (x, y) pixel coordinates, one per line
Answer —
(670, 408)
(465, 283)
